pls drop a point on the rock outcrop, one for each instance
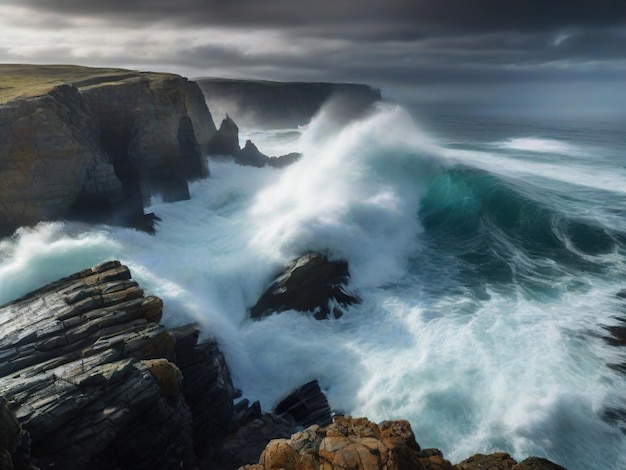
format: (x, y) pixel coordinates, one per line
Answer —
(312, 283)
(225, 143)
(350, 443)
(269, 104)
(95, 144)
(96, 382)
(359, 444)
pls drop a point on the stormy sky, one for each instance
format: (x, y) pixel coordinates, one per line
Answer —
(567, 51)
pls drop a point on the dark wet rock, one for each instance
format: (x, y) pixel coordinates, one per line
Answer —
(312, 283)
(251, 156)
(307, 405)
(246, 444)
(537, 463)
(97, 382)
(14, 442)
(284, 160)
(225, 142)
(252, 430)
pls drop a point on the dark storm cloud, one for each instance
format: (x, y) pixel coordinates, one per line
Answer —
(400, 18)
(382, 42)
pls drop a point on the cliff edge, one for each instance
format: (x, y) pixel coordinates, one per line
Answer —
(95, 144)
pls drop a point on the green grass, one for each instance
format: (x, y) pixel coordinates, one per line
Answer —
(25, 80)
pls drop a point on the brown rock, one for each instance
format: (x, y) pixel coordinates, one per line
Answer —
(347, 443)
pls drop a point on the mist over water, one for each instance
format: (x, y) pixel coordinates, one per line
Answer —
(486, 268)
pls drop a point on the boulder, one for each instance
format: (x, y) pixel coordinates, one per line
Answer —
(97, 382)
(312, 283)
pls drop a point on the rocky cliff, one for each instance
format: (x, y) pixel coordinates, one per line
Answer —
(95, 144)
(282, 104)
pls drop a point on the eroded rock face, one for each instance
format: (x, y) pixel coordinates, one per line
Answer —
(50, 157)
(97, 383)
(97, 149)
(312, 283)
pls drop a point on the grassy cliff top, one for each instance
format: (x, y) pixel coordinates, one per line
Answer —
(25, 80)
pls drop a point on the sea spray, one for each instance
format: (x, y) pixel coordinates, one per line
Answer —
(355, 194)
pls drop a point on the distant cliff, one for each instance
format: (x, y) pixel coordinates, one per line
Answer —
(95, 144)
(281, 104)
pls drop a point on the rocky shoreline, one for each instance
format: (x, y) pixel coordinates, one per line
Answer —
(89, 378)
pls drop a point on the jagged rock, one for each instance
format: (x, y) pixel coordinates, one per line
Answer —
(284, 160)
(14, 442)
(347, 443)
(303, 407)
(250, 155)
(226, 140)
(307, 405)
(311, 283)
(95, 144)
(248, 442)
(207, 388)
(98, 383)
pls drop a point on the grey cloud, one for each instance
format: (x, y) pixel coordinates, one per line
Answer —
(411, 18)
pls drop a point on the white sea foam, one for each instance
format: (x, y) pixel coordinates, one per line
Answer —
(539, 145)
(507, 372)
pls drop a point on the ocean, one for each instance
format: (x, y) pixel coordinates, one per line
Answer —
(487, 249)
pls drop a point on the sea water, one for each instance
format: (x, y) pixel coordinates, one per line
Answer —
(487, 252)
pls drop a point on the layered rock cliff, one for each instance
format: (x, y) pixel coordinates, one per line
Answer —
(270, 104)
(95, 144)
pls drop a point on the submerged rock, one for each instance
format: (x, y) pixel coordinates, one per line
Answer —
(312, 283)
(96, 382)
